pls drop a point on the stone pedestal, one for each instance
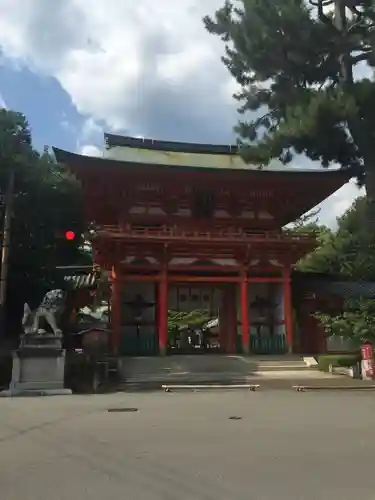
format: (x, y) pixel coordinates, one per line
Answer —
(38, 366)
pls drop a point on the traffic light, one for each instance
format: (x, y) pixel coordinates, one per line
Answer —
(70, 235)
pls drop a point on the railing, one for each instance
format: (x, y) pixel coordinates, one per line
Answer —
(164, 232)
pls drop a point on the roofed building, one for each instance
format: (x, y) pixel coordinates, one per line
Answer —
(191, 226)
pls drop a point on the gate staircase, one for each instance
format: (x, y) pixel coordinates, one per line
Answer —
(150, 373)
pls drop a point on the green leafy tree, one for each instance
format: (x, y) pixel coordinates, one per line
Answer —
(47, 203)
(180, 320)
(187, 319)
(295, 63)
(355, 244)
(349, 251)
(325, 258)
(356, 321)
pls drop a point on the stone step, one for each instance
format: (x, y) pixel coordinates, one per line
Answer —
(272, 358)
(218, 378)
(270, 383)
(189, 378)
(281, 367)
(212, 369)
(158, 383)
(282, 362)
(152, 373)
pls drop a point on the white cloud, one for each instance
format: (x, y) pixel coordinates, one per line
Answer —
(109, 56)
(140, 67)
(2, 102)
(90, 150)
(89, 138)
(338, 203)
(90, 128)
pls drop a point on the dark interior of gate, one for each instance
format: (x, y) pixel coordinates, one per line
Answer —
(194, 319)
(138, 331)
(202, 318)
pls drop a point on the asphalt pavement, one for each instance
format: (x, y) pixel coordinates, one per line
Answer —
(192, 445)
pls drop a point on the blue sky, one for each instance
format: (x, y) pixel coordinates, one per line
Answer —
(49, 109)
(77, 68)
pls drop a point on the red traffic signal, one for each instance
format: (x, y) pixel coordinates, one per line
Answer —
(70, 235)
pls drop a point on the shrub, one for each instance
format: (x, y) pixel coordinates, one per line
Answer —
(356, 321)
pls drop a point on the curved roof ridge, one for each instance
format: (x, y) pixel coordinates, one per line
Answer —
(113, 140)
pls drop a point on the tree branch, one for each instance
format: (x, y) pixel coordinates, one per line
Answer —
(360, 57)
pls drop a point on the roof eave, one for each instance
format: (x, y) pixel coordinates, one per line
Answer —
(74, 160)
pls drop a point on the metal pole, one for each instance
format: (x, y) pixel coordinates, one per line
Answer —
(9, 196)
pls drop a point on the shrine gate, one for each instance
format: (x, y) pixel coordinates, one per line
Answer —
(177, 224)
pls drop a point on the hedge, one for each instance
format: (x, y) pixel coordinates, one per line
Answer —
(337, 360)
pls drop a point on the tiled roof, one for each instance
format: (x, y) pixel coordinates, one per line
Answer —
(351, 288)
(79, 162)
(332, 285)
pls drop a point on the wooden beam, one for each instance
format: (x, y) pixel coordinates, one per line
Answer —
(244, 308)
(183, 278)
(162, 305)
(189, 224)
(264, 279)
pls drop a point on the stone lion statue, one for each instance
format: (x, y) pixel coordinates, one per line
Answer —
(51, 308)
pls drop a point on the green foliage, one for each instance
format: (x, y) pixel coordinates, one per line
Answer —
(356, 244)
(349, 251)
(324, 259)
(356, 321)
(47, 202)
(182, 319)
(289, 63)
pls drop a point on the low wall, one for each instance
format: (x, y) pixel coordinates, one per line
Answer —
(339, 344)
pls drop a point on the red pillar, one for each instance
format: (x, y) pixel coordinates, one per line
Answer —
(163, 314)
(224, 317)
(288, 309)
(223, 324)
(230, 301)
(115, 312)
(245, 326)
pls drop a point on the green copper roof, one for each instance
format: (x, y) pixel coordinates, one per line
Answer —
(80, 163)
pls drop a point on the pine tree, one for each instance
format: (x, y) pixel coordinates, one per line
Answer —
(299, 66)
